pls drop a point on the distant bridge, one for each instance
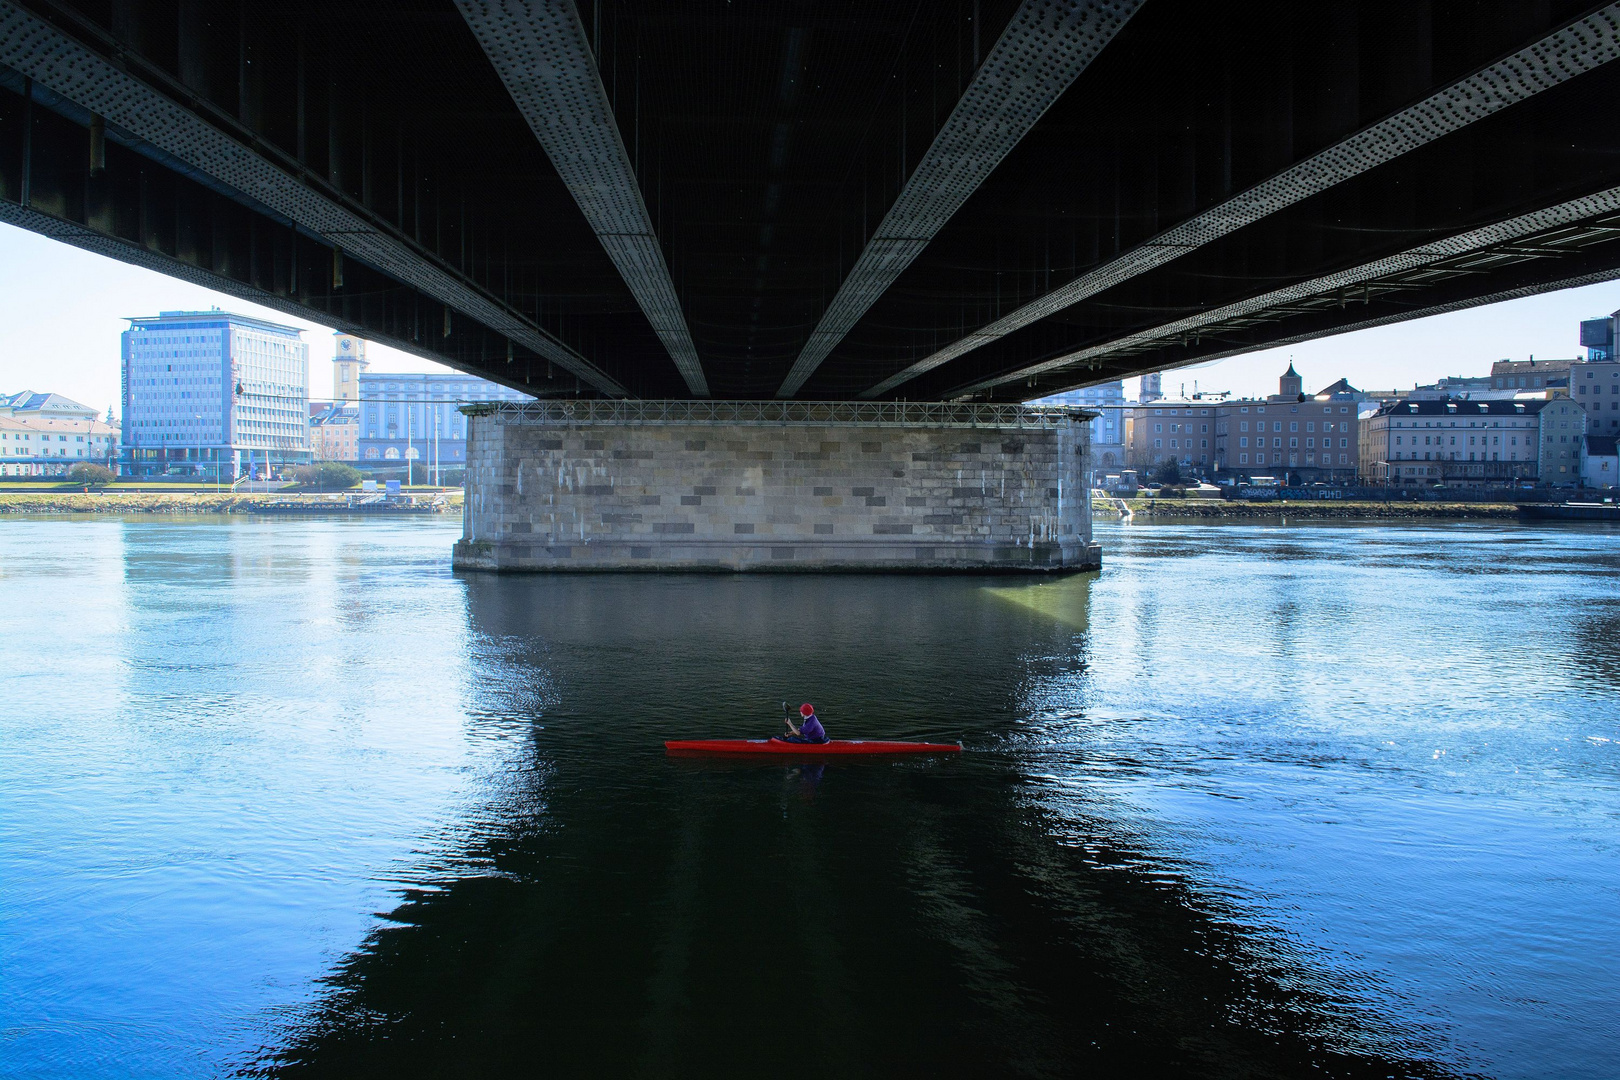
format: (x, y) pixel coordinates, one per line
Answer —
(825, 200)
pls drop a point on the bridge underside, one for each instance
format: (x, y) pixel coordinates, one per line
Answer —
(986, 199)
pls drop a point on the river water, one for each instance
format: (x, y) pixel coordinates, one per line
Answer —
(291, 798)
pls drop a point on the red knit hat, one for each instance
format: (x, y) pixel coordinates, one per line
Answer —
(807, 709)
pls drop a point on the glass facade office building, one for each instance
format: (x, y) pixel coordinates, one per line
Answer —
(1108, 429)
(209, 393)
(417, 417)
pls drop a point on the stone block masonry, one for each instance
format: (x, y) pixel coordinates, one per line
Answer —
(776, 486)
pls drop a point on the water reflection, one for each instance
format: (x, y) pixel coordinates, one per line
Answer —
(683, 917)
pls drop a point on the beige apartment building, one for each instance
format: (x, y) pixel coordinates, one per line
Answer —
(334, 432)
(1313, 440)
(1303, 438)
(1309, 441)
(1531, 374)
(1179, 431)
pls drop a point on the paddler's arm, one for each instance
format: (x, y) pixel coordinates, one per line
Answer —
(789, 723)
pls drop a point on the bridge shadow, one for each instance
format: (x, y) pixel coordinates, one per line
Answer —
(616, 912)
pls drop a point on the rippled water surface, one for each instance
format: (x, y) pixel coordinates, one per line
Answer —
(293, 799)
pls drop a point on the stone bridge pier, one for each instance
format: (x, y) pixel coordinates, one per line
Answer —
(776, 486)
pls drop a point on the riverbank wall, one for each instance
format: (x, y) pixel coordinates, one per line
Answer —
(1315, 510)
(776, 486)
(190, 502)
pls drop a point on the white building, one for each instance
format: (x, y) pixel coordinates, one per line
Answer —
(213, 393)
(1600, 467)
(1474, 442)
(1451, 442)
(48, 434)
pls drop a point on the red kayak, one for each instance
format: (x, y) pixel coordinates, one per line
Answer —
(707, 747)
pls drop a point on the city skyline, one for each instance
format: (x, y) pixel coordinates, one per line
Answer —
(63, 310)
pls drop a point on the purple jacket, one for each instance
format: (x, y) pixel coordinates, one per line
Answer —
(812, 730)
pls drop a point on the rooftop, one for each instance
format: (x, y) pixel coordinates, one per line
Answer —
(29, 401)
(1456, 407)
(216, 315)
(34, 422)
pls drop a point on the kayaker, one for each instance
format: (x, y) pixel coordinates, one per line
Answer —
(809, 729)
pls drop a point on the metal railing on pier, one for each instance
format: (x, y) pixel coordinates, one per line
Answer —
(828, 413)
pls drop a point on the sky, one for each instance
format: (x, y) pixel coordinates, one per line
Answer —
(62, 309)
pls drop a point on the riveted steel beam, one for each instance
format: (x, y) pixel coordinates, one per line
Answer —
(1573, 50)
(1502, 236)
(540, 50)
(87, 238)
(1540, 286)
(1045, 47)
(143, 110)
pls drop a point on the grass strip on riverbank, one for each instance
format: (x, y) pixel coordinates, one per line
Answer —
(191, 502)
(1316, 509)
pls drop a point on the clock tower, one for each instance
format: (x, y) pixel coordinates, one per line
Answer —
(348, 361)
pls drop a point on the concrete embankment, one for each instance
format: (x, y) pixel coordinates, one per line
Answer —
(190, 502)
(1316, 509)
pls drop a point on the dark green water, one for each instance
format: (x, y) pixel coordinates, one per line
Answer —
(292, 799)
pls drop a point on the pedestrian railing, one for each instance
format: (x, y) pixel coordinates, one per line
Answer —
(857, 413)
